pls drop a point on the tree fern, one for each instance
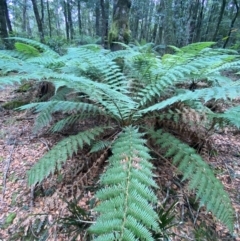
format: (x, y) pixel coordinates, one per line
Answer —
(230, 116)
(125, 210)
(201, 177)
(130, 87)
(206, 94)
(60, 153)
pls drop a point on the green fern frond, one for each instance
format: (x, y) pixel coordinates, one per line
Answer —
(42, 120)
(85, 60)
(206, 94)
(100, 145)
(63, 106)
(208, 187)
(126, 201)
(29, 50)
(46, 110)
(68, 121)
(37, 45)
(60, 153)
(231, 116)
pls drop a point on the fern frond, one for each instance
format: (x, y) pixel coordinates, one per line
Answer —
(63, 106)
(206, 94)
(208, 187)
(68, 121)
(29, 50)
(100, 145)
(60, 153)
(125, 202)
(231, 116)
(37, 45)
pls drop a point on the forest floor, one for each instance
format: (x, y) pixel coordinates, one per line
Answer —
(31, 213)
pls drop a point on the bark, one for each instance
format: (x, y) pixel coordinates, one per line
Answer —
(120, 31)
(105, 12)
(199, 23)
(49, 20)
(79, 17)
(39, 20)
(24, 18)
(9, 25)
(220, 17)
(205, 37)
(3, 25)
(70, 21)
(97, 22)
(232, 24)
(66, 19)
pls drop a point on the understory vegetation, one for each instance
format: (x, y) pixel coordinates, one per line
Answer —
(142, 103)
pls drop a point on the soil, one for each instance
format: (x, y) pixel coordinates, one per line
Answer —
(29, 213)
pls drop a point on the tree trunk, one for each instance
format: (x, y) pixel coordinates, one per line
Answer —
(66, 19)
(79, 17)
(220, 16)
(97, 22)
(3, 25)
(199, 23)
(70, 21)
(39, 20)
(232, 23)
(8, 21)
(24, 18)
(49, 20)
(105, 12)
(120, 31)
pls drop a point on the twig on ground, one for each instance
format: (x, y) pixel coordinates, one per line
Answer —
(45, 143)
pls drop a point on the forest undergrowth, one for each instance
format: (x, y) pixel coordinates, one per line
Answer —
(43, 212)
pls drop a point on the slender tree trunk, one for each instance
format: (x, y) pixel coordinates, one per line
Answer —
(66, 19)
(149, 26)
(232, 24)
(105, 12)
(159, 38)
(193, 21)
(97, 22)
(79, 17)
(9, 25)
(39, 20)
(199, 23)
(49, 20)
(24, 18)
(70, 21)
(120, 31)
(57, 19)
(156, 22)
(3, 25)
(220, 17)
(205, 37)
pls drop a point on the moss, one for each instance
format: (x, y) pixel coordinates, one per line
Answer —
(127, 36)
(24, 87)
(113, 33)
(9, 220)
(13, 104)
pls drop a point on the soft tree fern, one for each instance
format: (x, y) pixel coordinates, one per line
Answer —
(126, 201)
(135, 89)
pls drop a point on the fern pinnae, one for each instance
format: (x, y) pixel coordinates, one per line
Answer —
(197, 171)
(125, 174)
(37, 45)
(206, 94)
(60, 153)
